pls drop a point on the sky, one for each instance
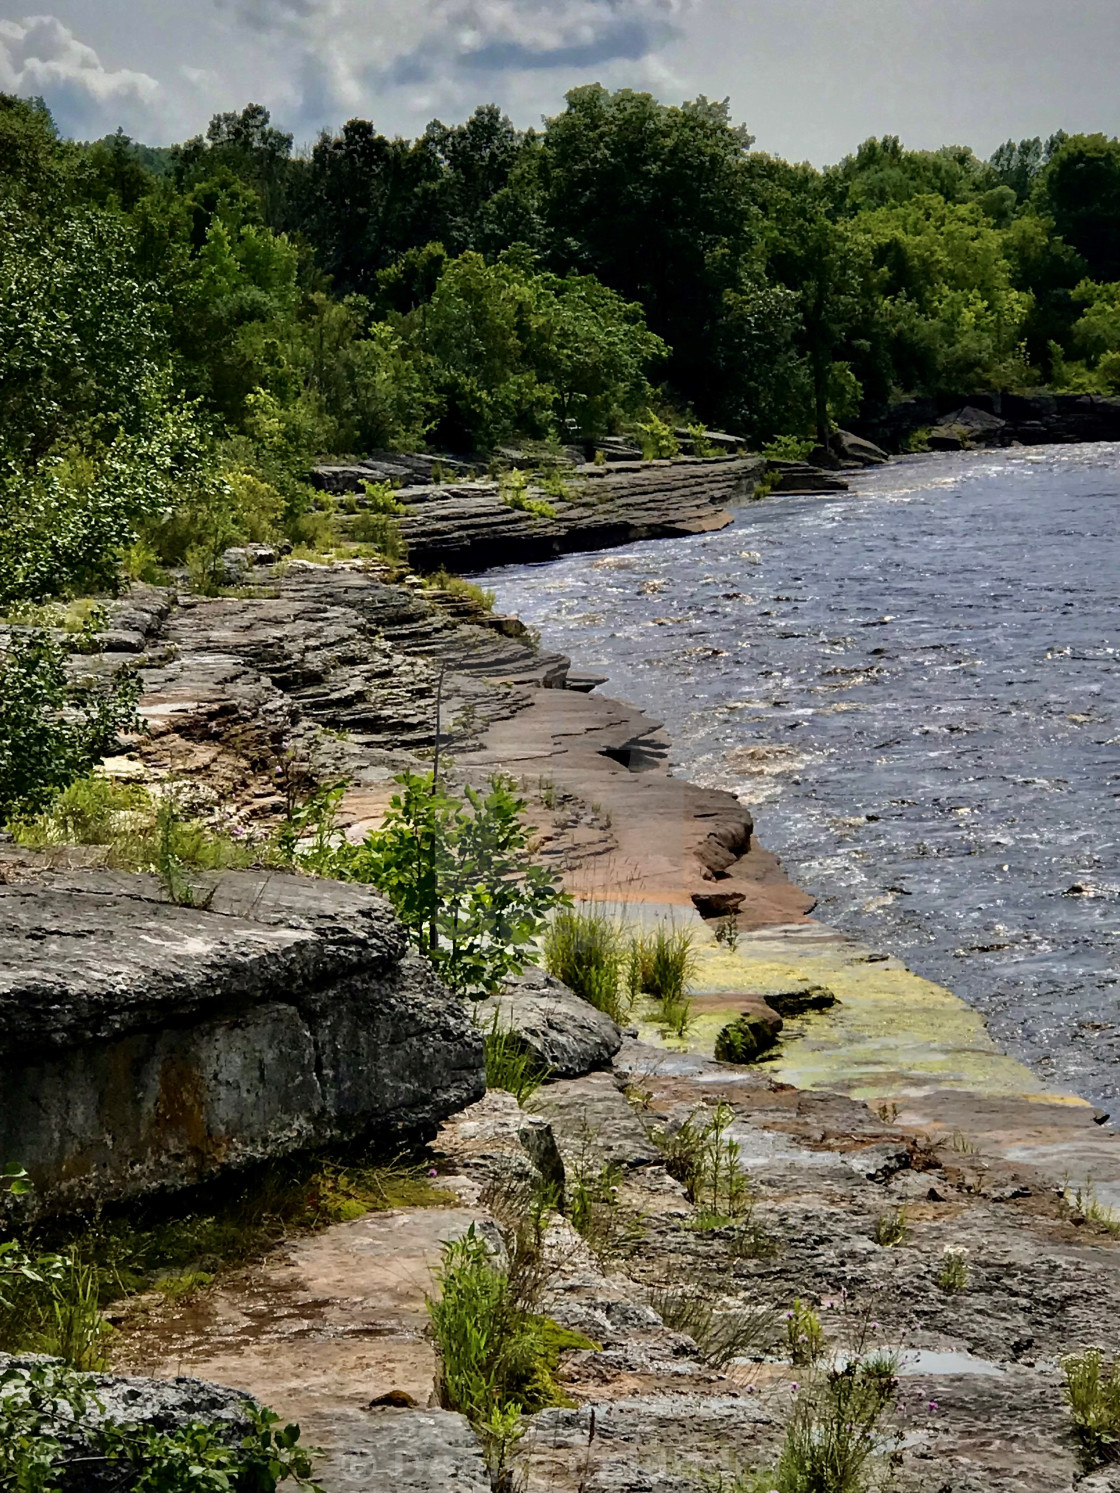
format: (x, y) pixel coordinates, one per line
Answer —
(810, 78)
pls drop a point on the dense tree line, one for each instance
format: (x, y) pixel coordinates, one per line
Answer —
(182, 330)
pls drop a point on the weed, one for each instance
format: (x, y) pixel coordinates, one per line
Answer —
(509, 1065)
(805, 1340)
(674, 1015)
(891, 1228)
(595, 1211)
(497, 1359)
(834, 1429)
(583, 947)
(1083, 1203)
(704, 1158)
(1092, 1392)
(953, 1275)
(962, 1144)
(661, 964)
(720, 1336)
(727, 932)
(546, 792)
(888, 1112)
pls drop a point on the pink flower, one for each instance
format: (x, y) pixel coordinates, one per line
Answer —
(933, 1404)
(433, 1173)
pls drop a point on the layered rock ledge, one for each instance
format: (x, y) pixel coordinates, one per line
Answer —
(470, 525)
(148, 1046)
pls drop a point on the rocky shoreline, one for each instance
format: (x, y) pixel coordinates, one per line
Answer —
(333, 671)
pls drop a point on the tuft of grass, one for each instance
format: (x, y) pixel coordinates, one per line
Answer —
(592, 1204)
(662, 964)
(720, 1336)
(704, 1159)
(455, 585)
(584, 948)
(509, 1065)
(1092, 1392)
(139, 830)
(891, 1228)
(953, 1275)
(835, 1430)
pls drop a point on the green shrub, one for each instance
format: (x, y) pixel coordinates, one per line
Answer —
(458, 875)
(805, 1340)
(834, 1430)
(513, 487)
(584, 948)
(658, 441)
(53, 731)
(1092, 1392)
(701, 445)
(788, 448)
(40, 1403)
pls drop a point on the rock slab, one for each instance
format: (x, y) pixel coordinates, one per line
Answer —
(563, 1032)
(148, 1046)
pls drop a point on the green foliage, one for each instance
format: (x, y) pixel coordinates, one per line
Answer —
(40, 1403)
(139, 830)
(595, 1210)
(513, 486)
(953, 1274)
(658, 441)
(704, 1158)
(455, 585)
(805, 1341)
(495, 1358)
(377, 522)
(52, 731)
(788, 448)
(458, 876)
(585, 948)
(1092, 1392)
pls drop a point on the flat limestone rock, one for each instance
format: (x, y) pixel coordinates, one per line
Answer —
(148, 1046)
(594, 1124)
(397, 1450)
(566, 1034)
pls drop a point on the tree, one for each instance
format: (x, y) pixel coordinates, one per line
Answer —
(1080, 188)
(459, 877)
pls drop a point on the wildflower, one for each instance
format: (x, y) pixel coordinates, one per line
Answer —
(933, 1404)
(432, 1172)
(794, 1388)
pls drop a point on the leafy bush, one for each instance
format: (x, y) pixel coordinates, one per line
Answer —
(584, 948)
(52, 731)
(788, 448)
(953, 1275)
(658, 441)
(458, 875)
(41, 1403)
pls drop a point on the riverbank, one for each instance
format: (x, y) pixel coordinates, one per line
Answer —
(881, 1131)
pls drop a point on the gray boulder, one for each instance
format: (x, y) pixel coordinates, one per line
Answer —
(150, 1046)
(566, 1034)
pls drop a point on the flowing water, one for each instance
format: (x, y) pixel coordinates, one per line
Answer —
(914, 685)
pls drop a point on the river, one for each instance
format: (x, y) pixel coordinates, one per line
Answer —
(914, 685)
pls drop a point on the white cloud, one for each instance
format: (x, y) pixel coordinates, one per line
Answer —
(40, 55)
(451, 54)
